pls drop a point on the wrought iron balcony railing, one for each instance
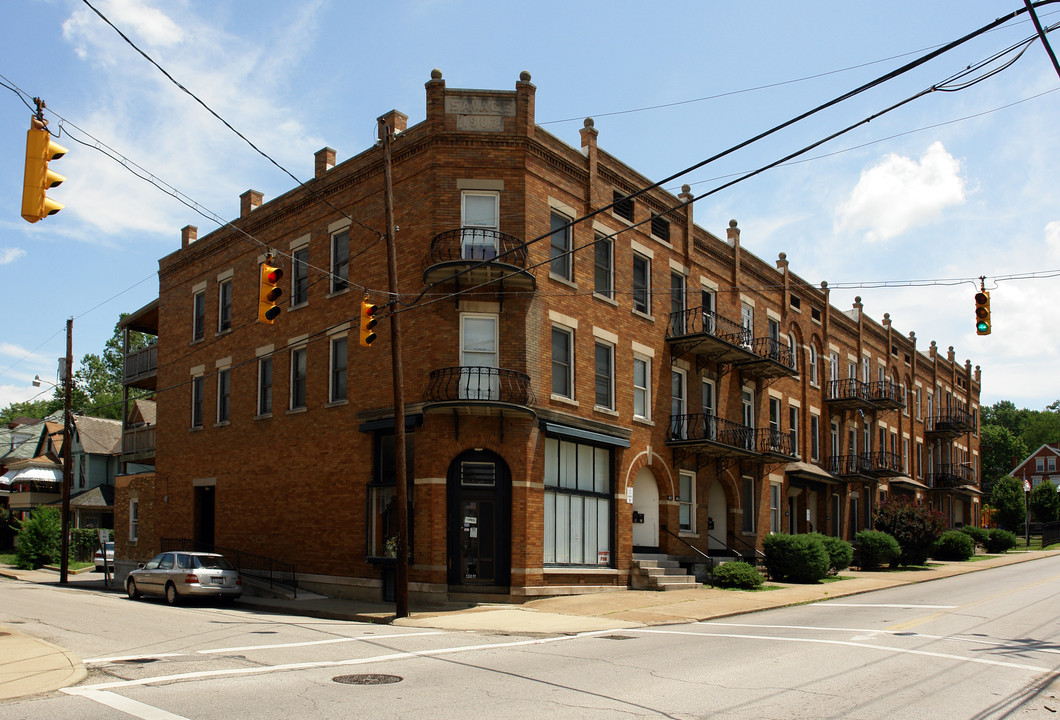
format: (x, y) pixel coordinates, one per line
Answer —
(703, 427)
(848, 389)
(886, 394)
(474, 384)
(476, 244)
(951, 421)
(951, 475)
(774, 442)
(698, 321)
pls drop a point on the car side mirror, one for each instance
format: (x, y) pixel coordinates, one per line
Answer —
(140, 566)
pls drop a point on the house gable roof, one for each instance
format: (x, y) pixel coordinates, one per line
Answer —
(1046, 450)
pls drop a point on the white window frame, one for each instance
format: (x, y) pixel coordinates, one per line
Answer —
(337, 283)
(645, 390)
(479, 245)
(566, 258)
(262, 363)
(472, 385)
(295, 352)
(224, 324)
(686, 501)
(814, 377)
(678, 402)
(774, 507)
(610, 375)
(646, 289)
(609, 291)
(793, 428)
(333, 395)
(815, 437)
(134, 519)
(569, 371)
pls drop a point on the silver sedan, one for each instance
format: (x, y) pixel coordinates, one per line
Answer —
(176, 575)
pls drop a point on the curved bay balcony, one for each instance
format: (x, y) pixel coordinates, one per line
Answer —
(472, 256)
(949, 423)
(886, 395)
(850, 394)
(708, 335)
(479, 390)
(951, 476)
(772, 359)
(712, 436)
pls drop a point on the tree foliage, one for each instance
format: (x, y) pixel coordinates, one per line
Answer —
(1000, 449)
(1044, 502)
(916, 527)
(39, 539)
(1008, 500)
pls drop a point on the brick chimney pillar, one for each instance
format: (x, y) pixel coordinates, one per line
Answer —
(248, 201)
(325, 160)
(188, 235)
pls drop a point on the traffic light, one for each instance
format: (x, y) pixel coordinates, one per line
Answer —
(368, 322)
(982, 313)
(38, 179)
(269, 292)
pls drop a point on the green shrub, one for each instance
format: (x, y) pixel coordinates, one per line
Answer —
(979, 535)
(1000, 541)
(83, 543)
(954, 545)
(39, 538)
(874, 549)
(915, 526)
(795, 558)
(840, 553)
(737, 574)
(1009, 501)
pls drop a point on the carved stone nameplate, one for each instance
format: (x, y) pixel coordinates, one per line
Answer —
(478, 113)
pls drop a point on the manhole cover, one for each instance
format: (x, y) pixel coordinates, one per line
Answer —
(139, 660)
(367, 679)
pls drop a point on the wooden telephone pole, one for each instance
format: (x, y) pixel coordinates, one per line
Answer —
(401, 580)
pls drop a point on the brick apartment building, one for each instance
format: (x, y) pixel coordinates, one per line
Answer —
(631, 383)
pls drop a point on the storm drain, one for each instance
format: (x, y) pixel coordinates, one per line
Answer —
(367, 679)
(617, 637)
(138, 661)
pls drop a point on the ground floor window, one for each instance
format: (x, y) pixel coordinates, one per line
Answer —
(686, 501)
(774, 508)
(577, 504)
(382, 524)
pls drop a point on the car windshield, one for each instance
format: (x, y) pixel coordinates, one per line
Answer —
(213, 562)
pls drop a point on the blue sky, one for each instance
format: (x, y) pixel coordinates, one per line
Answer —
(952, 186)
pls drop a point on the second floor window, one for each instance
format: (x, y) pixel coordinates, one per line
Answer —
(641, 284)
(224, 390)
(196, 401)
(265, 386)
(338, 369)
(198, 327)
(603, 268)
(298, 368)
(562, 362)
(224, 306)
(561, 247)
(605, 361)
(641, 388)
(340, 261)
(300, 276)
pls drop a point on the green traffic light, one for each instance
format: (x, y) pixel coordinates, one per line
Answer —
(982, 327)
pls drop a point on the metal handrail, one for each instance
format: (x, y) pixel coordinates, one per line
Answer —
(703, 554)
(275, 572)
(848, 389)
(758, 554)
(704, 426)
(696, 321)
(772, 349)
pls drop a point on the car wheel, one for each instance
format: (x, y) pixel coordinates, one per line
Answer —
(171, 594)
(130, 588)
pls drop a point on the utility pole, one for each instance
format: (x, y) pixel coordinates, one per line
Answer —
(401, 580)
(68, 441)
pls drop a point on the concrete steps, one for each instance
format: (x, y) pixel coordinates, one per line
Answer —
(659, 572)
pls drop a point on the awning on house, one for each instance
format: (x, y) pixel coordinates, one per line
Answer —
(905, 480)
(31, 474)
(808, 471)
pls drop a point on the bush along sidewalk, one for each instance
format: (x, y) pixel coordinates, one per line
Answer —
(738, 575)
(795, 558)
(840, 552)
(873, 549)
(954, 545)
(1000, 541)
(916, 528)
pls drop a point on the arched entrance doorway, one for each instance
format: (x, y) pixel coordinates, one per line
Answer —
(718, 514)
(479, 528)
(645, 512)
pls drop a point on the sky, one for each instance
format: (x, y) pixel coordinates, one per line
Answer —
(905, 211)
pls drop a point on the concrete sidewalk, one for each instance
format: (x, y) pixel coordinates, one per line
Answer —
(29, 666)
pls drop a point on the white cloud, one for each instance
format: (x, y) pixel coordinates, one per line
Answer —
(10, 255)
(900, 193)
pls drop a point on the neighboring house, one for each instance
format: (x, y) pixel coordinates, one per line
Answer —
(1040, 466)
(575, 395)
(37, 479)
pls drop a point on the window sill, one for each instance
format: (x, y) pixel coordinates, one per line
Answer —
(222, 423)
(618, 217)
(643, 421)
(584, 570)
(563, 281)
(644, 315)
(688, 534)
(299, 306)
(295, 411)
(196, 341)
(605, 410)
(605, 298)
(563, 399)
(337, 403)
(336, 293)
(664, 243)
(226, 331)
(263, 416)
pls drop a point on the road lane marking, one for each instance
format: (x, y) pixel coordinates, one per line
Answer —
(847, 643)
(829, 603)
(129, 706)
(261, 670)
(928, 618)
(879, 631)
(123, 658)
(331, 641)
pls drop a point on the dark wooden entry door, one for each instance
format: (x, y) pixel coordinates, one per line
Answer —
(479, 528)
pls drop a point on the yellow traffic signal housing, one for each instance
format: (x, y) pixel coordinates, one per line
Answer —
(982, 313)
(38, 179)
(368, 322)
(268, 292)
